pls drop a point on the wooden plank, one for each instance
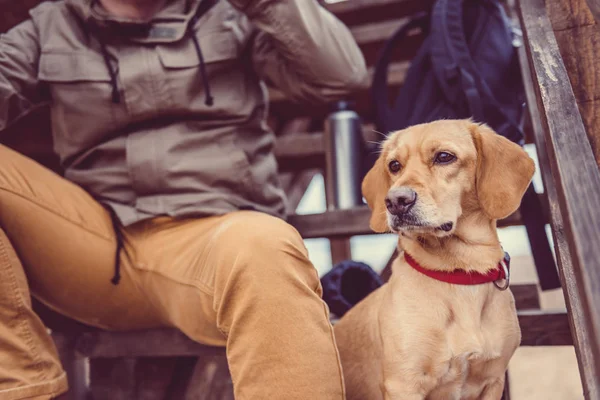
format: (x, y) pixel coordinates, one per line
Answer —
(340, 249)
(341, 223)
(527, 296)
(578, 39)
(587, 369)
(301, 151)
(579, 48)
(295, 183)
(358, 12)
(590, 112)
(396, 75)
(307, 150)
(572, 163)
(342, 8)
(112, 379)
(376, 32)
(210, 380)
(538, 329)
(73, 365)
(146, 343)
(295, 126)
(544, 328)
(153, 377)
(566, 14)
(298, 188)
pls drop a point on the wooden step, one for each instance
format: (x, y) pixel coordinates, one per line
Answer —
(396, 74)
(357, 12)
(307, 150)
(345, 223)
(538, 328)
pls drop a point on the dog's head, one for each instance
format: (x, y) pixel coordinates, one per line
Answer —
(430, 175)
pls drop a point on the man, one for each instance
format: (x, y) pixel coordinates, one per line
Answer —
(158, 116)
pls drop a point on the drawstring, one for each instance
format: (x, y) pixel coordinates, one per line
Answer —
(203, 8)
(208, 99)
(120, 239)
(116, 96)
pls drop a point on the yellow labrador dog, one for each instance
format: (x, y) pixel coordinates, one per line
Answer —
(442, 328)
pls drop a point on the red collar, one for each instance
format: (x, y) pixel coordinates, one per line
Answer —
(462, 277)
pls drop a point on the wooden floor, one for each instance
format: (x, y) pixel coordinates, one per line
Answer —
(543, 373)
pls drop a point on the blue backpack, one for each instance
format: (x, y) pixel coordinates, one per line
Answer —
(467, 67)
(462, 70)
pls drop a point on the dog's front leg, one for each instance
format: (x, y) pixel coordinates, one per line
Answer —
(494, 390)
(397, 391)
(409, 386)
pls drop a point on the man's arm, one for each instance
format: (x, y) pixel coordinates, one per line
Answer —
(19, 59)
(304, 50)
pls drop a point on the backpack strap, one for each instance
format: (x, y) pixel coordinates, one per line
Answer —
(379, 87)
(452, 64)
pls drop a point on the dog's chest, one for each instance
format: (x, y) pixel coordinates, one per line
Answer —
(464, 375)
(472, 349)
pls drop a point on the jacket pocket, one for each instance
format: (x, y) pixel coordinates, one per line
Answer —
(224, 73)
(216, 46)
(81, 97)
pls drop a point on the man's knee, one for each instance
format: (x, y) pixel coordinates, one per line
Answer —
(254, 231)
(264, 248)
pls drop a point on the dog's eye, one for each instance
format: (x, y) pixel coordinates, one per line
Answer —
(394, 166)
(444, 158)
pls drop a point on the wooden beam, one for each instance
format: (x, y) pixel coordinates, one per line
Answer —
(358, 12)
(112, 378)
(573, 167)
(377, 31)
(146, 343)
(298, 188)
(301, 151)
(538, 329)
(544, 328)
(73, 365)
(362, 6)
(527, 296)
(210, 380)
(295, 126)
(295, 183)
(153, 377)
(340, 249)
(396, 75)
(343, 223)
(581, 337)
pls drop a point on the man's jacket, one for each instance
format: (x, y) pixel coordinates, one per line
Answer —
(168, 116)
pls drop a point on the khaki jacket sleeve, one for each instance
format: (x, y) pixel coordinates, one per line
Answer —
(19, 59)
(304, 50)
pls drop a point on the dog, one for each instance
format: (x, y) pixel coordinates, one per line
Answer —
(442, 327)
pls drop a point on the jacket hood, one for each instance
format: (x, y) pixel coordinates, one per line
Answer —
(168, 25)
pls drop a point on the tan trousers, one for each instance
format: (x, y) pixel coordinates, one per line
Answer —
(242, 280)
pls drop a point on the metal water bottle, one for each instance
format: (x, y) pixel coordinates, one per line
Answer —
(343, 151)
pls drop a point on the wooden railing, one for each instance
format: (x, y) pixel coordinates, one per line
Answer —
(572, 183)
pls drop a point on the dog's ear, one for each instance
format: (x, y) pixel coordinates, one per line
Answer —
(375, 187)
(504, 171)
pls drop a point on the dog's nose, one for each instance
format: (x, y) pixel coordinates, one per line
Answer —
(400, 200)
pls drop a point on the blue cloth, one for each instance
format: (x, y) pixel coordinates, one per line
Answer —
(347, 284)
